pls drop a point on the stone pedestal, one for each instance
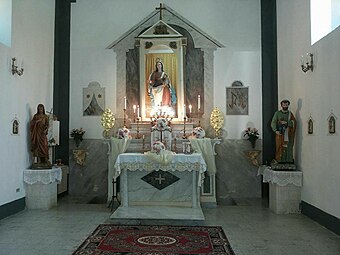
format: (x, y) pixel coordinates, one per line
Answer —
(284, 199)
(41, 196)
(63, 185)
(41, 188)
(284, 189)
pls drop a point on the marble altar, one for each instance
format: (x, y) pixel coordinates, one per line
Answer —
(204, 146)
(157, 189)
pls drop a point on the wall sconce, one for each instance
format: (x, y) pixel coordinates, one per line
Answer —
(15, 69)
(309, 63)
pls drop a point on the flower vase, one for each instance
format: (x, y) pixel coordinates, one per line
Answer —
(77, 141)
(253, 142)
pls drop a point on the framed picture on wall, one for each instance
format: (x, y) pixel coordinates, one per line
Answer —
(310, 129)
(15, 127)
(237, 99)
(332, 124)
(93, 100)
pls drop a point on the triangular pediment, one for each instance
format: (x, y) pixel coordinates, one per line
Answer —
(146, 28)
(160, 29)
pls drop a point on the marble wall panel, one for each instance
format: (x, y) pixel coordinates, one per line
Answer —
(89, 181)
(236, 176)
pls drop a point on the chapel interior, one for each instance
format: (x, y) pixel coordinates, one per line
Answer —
(227, 65)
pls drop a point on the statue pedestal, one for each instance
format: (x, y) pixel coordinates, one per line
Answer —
(284, 189)
(41, 187)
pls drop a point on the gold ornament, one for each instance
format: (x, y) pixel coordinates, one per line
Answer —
(216, 121)
(108, 121)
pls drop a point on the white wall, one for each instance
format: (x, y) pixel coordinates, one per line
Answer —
(313, 94)
(234, 23)
(32, 45)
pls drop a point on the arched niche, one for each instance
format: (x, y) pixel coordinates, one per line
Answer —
(197, 62)
(170, 51)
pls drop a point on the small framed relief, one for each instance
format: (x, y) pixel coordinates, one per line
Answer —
(15, 126)
(310, 126)
(93, 99)
(332, 124)
(237, 99)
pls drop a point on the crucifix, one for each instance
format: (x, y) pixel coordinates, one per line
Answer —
(160, 8)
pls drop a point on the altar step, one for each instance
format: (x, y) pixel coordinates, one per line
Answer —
(158, 213)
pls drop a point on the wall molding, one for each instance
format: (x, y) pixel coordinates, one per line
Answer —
(329, 221)
(12, 208)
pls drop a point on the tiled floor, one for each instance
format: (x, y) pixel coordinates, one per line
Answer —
(251, 229)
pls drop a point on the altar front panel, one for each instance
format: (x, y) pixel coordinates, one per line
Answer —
(179, 193)
(156, 190)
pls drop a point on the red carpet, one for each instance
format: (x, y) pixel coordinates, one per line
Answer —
(156, 240)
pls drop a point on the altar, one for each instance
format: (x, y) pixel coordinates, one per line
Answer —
(160, 188)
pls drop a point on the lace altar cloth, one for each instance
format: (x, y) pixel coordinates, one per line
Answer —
(281, 178)
(179, 162)
(45, 176)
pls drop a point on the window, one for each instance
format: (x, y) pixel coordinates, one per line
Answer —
(5, 22)
(325, 17)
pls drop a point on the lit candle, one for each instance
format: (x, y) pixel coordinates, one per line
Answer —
(125, 103)
(190, 107)
(184, 111)
(199, 102)
(134, 108)
(137, 111)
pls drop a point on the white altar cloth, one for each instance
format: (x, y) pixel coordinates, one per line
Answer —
(284, 189)
(45, 176)
(179, 162)
(281, 178)
(140, 200)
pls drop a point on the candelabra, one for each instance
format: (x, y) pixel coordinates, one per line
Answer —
(124, 117)
(138, 134)
(174, 147)
(308, 65)
(143, 148)
(184, 122)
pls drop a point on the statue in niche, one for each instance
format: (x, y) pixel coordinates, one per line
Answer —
(161, 93)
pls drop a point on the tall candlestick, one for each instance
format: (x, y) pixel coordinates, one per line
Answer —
(137, 111)
(199, 102)
(125, 103)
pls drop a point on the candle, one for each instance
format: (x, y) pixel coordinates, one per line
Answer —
(199, 102)
(184, 111)
(134, 108)
(125, 103)
(190, 107)
(302, 62)
(137, 111)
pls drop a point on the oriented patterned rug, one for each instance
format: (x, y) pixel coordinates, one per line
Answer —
(155, 240)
